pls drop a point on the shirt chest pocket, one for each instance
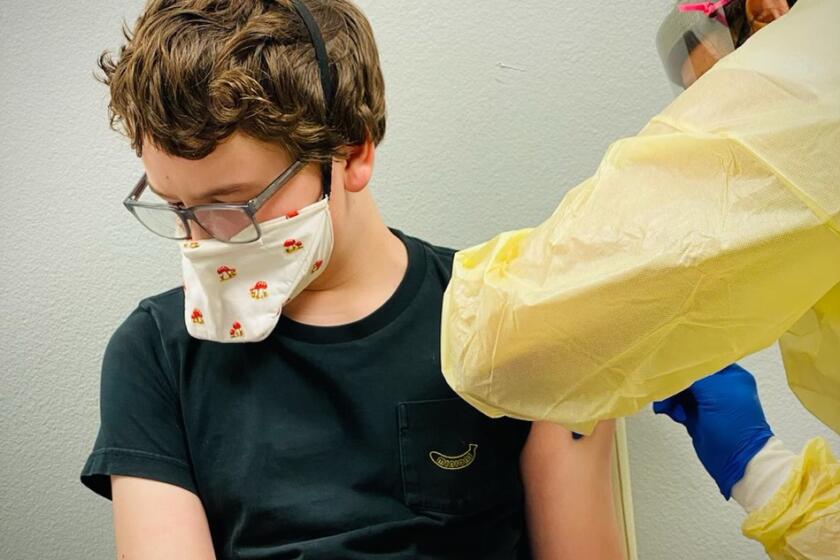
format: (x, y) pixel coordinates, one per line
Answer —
(456, 460)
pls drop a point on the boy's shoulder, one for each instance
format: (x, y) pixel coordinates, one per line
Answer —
(170, 301)
(160, 316)
(439, 256)
(447, 254)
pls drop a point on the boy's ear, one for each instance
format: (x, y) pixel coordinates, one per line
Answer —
(358, 167)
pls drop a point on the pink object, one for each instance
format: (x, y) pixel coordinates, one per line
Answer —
(708, 8)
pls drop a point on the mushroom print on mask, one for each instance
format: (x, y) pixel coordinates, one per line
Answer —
(226, 272)
(260, 290)
(293, 245)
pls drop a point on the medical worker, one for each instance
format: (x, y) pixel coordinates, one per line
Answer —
(793, 501)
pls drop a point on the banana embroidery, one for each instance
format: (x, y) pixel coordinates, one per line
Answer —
(457, 462)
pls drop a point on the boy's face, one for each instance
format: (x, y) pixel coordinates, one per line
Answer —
(237, 170)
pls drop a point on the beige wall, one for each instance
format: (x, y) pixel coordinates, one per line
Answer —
(496, 109)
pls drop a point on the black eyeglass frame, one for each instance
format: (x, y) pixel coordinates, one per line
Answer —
(250, 208)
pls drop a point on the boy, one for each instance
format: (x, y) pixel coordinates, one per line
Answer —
(287, 401)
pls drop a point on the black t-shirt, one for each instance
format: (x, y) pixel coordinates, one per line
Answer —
(319, 442)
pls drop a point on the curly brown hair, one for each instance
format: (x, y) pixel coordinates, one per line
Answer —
(193, 72)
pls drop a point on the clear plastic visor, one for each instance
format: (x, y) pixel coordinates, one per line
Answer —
(696, 49)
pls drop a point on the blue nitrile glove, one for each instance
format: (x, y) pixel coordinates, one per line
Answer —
(725, 420)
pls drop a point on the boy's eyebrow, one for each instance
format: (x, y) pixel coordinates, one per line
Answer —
(225, 190)
(157, 192)
(218, 191)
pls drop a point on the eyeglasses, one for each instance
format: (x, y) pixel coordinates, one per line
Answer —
(229, 223)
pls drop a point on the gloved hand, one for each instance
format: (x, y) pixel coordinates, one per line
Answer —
(725, 420)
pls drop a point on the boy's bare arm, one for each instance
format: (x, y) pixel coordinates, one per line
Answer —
(568, 494)
(158, 521)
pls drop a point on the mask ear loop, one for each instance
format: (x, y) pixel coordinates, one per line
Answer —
(326, 80)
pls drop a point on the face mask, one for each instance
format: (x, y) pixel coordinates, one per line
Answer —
(235, 293)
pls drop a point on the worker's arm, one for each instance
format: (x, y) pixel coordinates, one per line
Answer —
(158, 521)
(793, 501)
(801, 519)
(568, 494)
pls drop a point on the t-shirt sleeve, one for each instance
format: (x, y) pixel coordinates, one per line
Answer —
(141, 431)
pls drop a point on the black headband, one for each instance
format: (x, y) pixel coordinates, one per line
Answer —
(326, 79)
(320, 53)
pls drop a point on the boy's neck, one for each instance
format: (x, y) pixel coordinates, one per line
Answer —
(368, 262)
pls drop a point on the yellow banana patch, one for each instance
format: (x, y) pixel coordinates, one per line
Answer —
(457, 462)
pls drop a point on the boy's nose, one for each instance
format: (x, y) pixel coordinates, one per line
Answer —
(197, 233)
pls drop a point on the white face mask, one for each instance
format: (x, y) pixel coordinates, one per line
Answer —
(235, 293)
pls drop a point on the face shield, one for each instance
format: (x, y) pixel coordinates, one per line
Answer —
(694, 36)
(692, 39)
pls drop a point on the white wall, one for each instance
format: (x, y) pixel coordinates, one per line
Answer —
(496, 110)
